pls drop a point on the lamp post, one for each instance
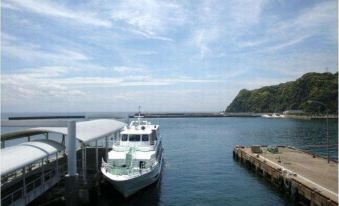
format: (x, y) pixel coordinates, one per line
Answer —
(318, 102)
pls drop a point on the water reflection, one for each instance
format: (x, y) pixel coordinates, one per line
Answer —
(149, 196)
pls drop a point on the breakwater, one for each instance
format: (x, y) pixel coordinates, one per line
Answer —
(196, 115)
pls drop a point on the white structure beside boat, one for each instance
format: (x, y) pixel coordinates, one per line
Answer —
(31, 168)
(135, 160)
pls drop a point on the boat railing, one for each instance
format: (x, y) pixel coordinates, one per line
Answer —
(120, 148)
(134, 170)
(145, 148)
(142, 148)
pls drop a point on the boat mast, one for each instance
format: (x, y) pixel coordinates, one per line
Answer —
(139, 115)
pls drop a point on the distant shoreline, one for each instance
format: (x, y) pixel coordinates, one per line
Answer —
(195, 114)
(168, 115)
(211, 114)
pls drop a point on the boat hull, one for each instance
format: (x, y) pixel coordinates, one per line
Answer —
(131, 186)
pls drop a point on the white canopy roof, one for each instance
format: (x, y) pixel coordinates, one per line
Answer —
(86, 131)
(16, 157)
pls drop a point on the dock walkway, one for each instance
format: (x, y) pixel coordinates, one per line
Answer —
(304, 175)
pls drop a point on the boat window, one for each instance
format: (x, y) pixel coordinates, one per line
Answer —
(134, 138)
(124, 137)
(145, 137)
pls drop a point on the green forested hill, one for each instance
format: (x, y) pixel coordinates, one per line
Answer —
(322, 87)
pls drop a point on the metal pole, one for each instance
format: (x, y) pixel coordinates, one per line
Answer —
(63, 140)
(106, 147)
(43, 175)
(96, 154)
(29, 138)
(328, 151)
(84, 166)
(57, 164)
(71, 191)
(24, 184)
(71, 149)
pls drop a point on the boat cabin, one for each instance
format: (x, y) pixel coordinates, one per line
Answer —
(139, 134)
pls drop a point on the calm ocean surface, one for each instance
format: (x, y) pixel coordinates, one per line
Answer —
(199, 166)
(200, 169)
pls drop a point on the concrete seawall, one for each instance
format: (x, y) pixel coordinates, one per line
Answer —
(307, 179)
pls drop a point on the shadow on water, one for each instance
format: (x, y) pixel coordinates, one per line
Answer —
(147, 196)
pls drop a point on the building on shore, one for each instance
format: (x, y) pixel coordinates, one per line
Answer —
(294, 112)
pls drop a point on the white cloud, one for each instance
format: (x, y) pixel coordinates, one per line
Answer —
(247, 42)
(48, 71)
(312, 19)
(49, 8)
(52, 89)
(54, 80)
(202, 38)
(244, 14)
(149, 18)
(127, 81)
(286, 44)
(22, 87)
(315, 21)
(5, 5)
(19, 49)
(216, 25)
(125, 69)
(296, 64)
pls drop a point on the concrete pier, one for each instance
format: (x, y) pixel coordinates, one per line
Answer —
(307, 178)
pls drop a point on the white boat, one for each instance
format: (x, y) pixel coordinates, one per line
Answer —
(135, 160)
(274, 115)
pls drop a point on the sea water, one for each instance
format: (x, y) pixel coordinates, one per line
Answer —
(199, 168)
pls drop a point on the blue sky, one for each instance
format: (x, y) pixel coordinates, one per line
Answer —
(71, 56)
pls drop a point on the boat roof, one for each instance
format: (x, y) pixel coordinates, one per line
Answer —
(86, 131)
(18, 156)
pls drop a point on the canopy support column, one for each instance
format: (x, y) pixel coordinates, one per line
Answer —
(63, 140)
(96, 154)
(84, 166)
(57, 165)
(24, 184)
(43, 174)
(71, 177)
(2, 143)
(28, 138)
(106, 148)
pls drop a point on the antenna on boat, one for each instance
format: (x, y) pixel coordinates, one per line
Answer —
(139, 116)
